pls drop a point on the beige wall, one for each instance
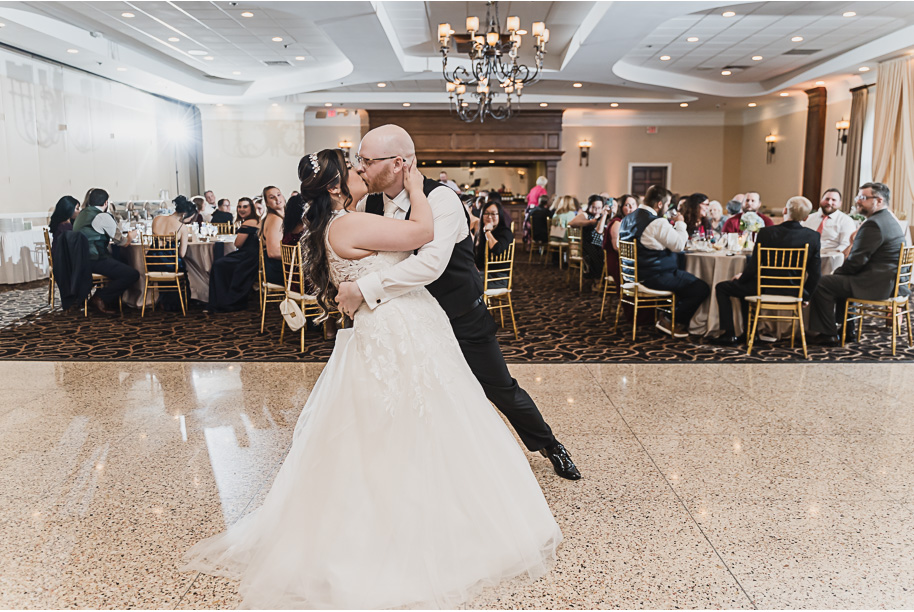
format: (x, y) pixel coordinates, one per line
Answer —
(695, 152)
(832, 164)
(783, 177)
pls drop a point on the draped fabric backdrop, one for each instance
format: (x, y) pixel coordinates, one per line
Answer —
(893, 136)
(854, 147)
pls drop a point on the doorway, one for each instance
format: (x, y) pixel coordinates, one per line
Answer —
(642, 176)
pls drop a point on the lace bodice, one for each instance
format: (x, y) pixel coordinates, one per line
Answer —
(351, 269)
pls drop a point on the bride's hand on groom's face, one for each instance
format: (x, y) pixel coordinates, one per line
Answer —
(412, 179)
(349, 298)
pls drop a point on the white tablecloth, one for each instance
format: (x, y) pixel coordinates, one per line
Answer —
(23, 256)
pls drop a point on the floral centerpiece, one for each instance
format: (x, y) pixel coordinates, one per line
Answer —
(750, 222)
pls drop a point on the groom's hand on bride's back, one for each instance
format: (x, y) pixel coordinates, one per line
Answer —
(349, 298)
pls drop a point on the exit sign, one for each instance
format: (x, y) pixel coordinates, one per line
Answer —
(652, 129)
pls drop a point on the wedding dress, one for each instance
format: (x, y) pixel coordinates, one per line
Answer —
(402, 488)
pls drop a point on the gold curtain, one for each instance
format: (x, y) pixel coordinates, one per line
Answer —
(854, 146)
(893, 134)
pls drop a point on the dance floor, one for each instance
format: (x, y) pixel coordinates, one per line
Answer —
(705, 485)
(556, 324)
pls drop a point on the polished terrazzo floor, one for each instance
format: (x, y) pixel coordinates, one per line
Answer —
(705, 485)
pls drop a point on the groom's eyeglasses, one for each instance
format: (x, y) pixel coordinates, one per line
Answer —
(367, 161)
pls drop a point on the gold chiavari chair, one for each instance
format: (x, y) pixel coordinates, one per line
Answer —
(47, 245)
(537, 245)
(607, 281)
(893, 309)
(225, 228)
(575, 256)
(162, 272)
(294, 275)
(779, 269)
(637, 295)
(499, 269)
(99, 281)
(556, 245)
(270, 293)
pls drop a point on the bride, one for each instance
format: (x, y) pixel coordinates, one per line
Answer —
(403, 487)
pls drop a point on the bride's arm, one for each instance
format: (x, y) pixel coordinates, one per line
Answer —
(356, 234)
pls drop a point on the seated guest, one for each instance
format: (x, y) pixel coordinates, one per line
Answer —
(293, 222)
(244, 210)
(716, 216)
(835, 226)
(791, 234)
(174, 224)
(271, 234)
(539, 220)
(202, 215)
(695, 213)
(259, 207)
(752, 202)
(627, 205)
(493, 239)
(210, 198)
(869, 270)
(223, 212)
(735, 205)
(658, 268)
(100, 228)
(233, 275)
(563, 211)
(62, 217)
(592, 221)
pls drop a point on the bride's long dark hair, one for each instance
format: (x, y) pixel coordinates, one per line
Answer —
(331, 172)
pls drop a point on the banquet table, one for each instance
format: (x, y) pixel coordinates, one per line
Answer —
(717, 266)
(23, 256)
(198, 261)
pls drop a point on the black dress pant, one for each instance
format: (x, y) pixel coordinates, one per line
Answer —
(826, 309)
(732, 289)
(120, 277)
(690, 292)
(475, 332)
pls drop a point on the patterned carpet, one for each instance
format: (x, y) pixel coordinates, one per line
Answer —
(556, 324)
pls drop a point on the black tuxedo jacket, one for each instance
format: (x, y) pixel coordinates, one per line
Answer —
(787, 235)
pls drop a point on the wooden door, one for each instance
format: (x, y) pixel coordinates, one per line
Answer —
(645, 176)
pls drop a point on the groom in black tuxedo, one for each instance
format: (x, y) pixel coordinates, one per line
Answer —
(446, 267)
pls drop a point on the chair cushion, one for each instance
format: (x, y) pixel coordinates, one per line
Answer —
(99, 277)
(497, 292)
(164, 275)
(774, 299)
(646, 290)
(273, 287)
(293, 295)
(557, 243)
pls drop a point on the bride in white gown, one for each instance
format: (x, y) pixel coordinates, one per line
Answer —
(403, 487)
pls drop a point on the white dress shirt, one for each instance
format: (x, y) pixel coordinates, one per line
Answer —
(659, 234)
(107, 225)
(836, 233)
(424, 267)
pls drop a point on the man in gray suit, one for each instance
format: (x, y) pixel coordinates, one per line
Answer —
(869, 271)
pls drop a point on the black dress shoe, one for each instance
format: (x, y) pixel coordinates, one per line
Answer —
(726, 340)
(561, 461)
(823, 340)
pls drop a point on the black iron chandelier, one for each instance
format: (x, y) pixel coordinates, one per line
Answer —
(494, 65)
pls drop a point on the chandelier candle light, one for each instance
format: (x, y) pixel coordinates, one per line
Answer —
(494, 65)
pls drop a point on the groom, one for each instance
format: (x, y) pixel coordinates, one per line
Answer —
(445, 266)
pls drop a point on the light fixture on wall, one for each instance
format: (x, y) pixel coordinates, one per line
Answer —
(770, 139)
(345, 144)
(584, 146)
(842, 127)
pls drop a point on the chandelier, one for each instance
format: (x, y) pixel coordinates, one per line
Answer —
(493, 65)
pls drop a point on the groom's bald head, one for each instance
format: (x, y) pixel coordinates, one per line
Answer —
(386, 141)
(383, 155)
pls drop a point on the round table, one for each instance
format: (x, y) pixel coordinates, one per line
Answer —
(198, 261)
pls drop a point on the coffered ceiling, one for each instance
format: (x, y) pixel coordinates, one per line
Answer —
(638, 55)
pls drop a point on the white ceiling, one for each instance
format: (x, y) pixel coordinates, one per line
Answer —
(337, 52)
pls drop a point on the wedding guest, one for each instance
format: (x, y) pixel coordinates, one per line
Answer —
(868, 272)
(293, 224)
(444, 180)
(539, 220)
(835, 226)
(233, 275)
(202, 216)
(210, 198)
(174, 224)
(244, 210)
(563, 211)
(62, 218)
(695, 213)
(627, 205)
(259, 207)
(791, 234)
(592, 221)
(716, 216)
(538, 191)
(658, 242)
(493, 239)
(100, 228)
(751, 203)
(735, 204)
(271, 231)
(223, 212)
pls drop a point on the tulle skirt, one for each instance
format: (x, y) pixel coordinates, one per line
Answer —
(403, 486)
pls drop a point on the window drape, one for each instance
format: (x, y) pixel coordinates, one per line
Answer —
(854, 146)
(893, 136)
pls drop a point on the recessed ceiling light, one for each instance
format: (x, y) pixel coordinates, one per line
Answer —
(543, 104)
(121, 69)
(864, 68)
(236, 72)
(277, 39)
(209, 58)
(328, 103)
(664, 58)
(174, 39)
(72, 51)
(407, 104)
(684, 104)
(220, 104)
(522, 32)
(299, 58)
(437, 161)
(752, 105)
(247, 14)
(274, 104)
(128, 15)
(726, 72)
(615, 104)
(491, 161)
(757, 58)
(783, 94)
(382, 84)
(728, 14)
(2, 25)
(820, 82)
(797, 39)
(577, 85)
(692, 39)
(196, 52)
(464, 104)
(849, 14)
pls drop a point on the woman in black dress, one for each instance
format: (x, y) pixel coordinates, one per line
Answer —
(62, 217)
(494, 233)
(233, 275)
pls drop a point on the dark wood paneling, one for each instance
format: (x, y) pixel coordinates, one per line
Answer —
(815, 144)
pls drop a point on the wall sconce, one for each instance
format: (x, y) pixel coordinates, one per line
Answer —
(770, 139)
(345, 144)
(842, 127)
(584, 145)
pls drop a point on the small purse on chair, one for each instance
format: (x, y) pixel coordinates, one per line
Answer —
(292, 313)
